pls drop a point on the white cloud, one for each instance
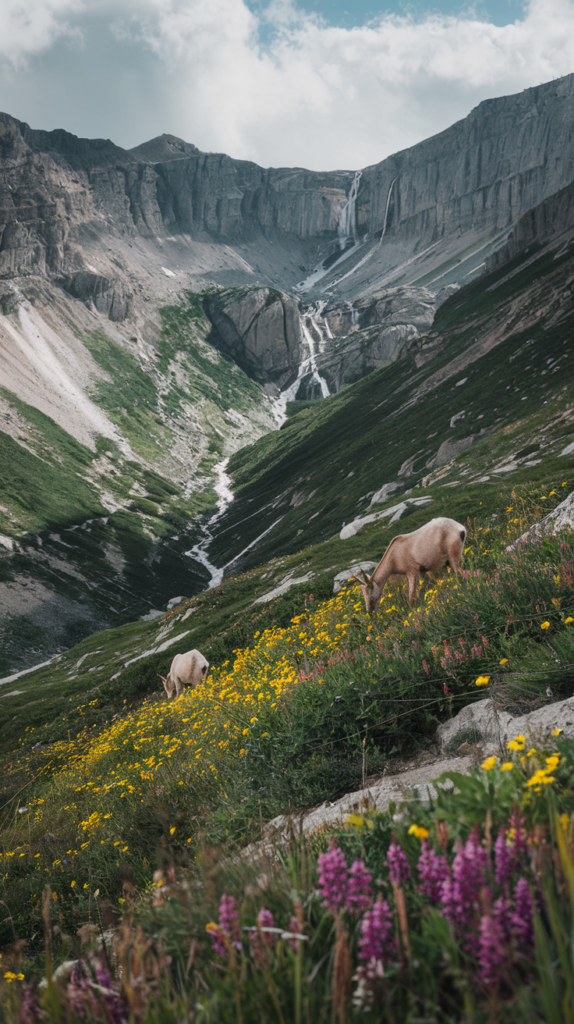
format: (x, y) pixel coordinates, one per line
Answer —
(313, 95)
(29, 26)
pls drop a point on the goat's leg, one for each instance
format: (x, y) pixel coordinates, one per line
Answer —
(454, 558)
(413, 580)
(178, 688)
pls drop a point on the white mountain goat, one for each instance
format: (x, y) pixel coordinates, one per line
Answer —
(189, 669)
(412, 555)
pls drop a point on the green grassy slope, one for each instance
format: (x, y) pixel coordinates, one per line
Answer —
(497, 365)
(98, 537)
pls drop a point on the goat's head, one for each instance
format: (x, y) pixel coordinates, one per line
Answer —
(371, 592)
(167, 684)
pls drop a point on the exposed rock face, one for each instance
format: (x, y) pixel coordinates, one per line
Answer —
(483, 172)
(479, 176)
(483, 723)
(372, 331)
(550, 218)
(260, 329)
(108, 297)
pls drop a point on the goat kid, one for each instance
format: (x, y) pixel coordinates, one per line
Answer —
(427, 549)
(189, 669)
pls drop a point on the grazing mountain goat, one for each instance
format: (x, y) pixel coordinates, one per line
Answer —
(412, 555)
(189, 669)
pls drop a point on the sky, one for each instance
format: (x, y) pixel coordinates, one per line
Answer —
(323, 84)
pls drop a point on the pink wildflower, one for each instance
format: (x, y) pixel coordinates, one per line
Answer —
(492, 955)
(522, 916)
(332, 869)
(461, 893)
(294, 927)
(376, 940)
(265, 920)
(425, 666)
(359, 893)
(433, 870)
(398, 865)
(503, 860)
(228, 921)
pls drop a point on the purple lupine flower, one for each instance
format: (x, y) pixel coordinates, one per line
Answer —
(461, 893)
(433, 871)
(398, 865)
(332, 868)
(260, 942)
(502, 912)
(492, 956)
(265, 920)
(30, 1011)
(217, 937)
(522, 916)
(359, 892)
(504, 860)
(229, 919)
(376, 940)
(116, 1007)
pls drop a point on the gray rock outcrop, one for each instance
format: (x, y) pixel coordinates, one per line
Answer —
(260, 329)
(482, 723)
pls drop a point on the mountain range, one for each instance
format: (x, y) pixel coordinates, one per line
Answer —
(331, 345)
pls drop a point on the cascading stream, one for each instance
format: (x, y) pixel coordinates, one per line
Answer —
(224, 498)
(310, 324)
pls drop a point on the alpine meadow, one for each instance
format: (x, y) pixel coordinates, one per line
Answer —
(225, 390)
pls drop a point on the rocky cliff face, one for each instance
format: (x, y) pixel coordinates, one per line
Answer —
(483, 172)
(370, 332)
(552, 217)
(477, 177)
(260, 329)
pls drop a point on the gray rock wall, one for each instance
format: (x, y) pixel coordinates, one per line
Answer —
(260, 329)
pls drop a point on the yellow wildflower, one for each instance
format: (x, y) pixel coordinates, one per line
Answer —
(482, 681)
(556, 732)
(489, 763)
(516, 744)
(544, 625)
(419, 831)
(503, 661)
(507, 766)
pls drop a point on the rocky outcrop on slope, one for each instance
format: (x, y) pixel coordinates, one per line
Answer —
(372, 331)
(260, 329)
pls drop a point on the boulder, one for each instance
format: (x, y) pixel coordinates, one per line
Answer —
(260, 329)
(482, 723)
(394, 512)
(561, 518)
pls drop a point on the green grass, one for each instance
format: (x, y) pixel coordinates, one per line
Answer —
(313, 746)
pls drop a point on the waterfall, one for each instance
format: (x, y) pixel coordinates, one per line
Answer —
(354, 313)
(376, 247)
(346, 230)
(347, 227)
(310, 324)
(224, 498)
